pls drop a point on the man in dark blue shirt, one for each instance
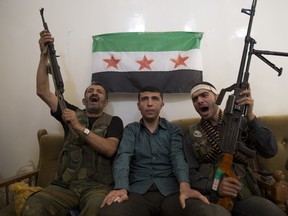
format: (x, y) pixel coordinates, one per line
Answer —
(150, 167)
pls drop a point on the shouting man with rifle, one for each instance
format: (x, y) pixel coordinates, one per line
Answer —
(219, 147)
(202, 146)
(84, 174)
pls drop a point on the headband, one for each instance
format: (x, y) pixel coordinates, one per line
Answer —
(203, 86)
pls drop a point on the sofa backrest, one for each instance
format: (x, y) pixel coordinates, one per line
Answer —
(185, 123)
(50, 146)
(279, 126)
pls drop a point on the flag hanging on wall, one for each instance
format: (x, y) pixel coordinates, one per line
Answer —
(126, 62)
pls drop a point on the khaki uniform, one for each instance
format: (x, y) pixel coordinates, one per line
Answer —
(80, 161)
(83, 180)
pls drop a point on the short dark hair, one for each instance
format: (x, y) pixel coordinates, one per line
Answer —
(100, 84)
(150, 89)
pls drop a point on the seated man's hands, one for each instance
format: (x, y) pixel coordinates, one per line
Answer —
(187, 192)
(119, 195)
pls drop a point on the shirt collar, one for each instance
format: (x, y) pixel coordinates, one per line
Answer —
(162, 123)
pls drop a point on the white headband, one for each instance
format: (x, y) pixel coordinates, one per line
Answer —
(203, 86)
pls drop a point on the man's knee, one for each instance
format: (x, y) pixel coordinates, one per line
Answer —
(110, 210)
(39, 204)
(32, 206)
(214, 210)
(91, 207)
(200, 208)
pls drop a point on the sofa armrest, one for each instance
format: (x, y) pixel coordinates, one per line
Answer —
(5, 183)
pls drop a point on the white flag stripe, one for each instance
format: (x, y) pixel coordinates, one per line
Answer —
(161, 60)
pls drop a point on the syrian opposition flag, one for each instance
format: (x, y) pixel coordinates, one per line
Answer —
(126, 62)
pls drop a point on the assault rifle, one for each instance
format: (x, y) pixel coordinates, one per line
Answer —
(230, 137)
(54, 70)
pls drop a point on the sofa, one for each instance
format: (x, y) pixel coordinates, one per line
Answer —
(51, 144)
(49, 147)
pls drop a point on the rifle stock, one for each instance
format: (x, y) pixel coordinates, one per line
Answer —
(54, 70)
(226, 167)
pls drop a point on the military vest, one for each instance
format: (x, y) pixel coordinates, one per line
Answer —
(79, 160)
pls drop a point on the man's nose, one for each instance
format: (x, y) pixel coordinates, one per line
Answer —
(200, 100)
(95, 92)
(149, 102)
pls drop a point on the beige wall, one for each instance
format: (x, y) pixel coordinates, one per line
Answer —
(74, 22)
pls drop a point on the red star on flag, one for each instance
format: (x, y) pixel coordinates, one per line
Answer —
(112, 62)
(180, 60)
(145, 63)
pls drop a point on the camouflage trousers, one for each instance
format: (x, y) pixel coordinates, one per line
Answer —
(86, 196)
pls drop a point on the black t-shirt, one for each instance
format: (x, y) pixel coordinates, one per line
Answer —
(115, 129)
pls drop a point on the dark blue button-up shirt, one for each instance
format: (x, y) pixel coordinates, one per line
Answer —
(144, 158)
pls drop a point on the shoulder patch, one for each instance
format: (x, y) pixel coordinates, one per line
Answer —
(197, 133)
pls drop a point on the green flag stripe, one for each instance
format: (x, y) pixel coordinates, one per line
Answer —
(147, 41)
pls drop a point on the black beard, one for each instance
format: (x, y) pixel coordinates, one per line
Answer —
(94, 110)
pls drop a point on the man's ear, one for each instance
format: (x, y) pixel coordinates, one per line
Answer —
(138, 105)
(162, 104)
(84, 101)
(106, 102)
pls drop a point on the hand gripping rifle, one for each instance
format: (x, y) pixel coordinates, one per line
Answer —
(229, 132)
(54, 70)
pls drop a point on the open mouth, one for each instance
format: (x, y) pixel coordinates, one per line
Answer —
(94, 98)
(204, 110)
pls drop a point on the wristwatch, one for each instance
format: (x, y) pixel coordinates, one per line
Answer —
(86, 131)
